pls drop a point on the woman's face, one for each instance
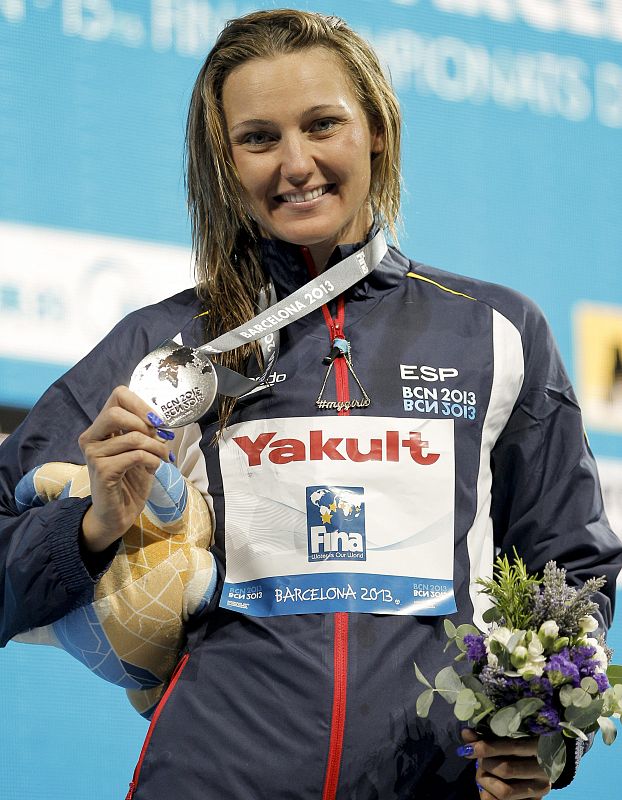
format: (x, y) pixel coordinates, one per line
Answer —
(302, 146)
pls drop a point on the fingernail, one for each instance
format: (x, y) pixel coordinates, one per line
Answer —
(171, 457)
(479, 788)
(477, 764)
(163, 434)
(465, 750)
(154, 419)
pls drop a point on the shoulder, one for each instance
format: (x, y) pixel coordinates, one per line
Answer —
(518, 309)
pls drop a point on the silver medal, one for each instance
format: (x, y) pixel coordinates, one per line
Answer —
(179, 382)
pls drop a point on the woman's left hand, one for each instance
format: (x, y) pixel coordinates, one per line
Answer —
(507, 769)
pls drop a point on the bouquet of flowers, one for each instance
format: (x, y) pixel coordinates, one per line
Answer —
(538, 671)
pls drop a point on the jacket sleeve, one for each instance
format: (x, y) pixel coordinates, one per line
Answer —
(546, 497)
(43, 574)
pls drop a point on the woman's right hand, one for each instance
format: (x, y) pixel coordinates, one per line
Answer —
(123, 449)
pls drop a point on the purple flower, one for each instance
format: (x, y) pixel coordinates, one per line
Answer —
(475, 647)
(560, 669)
(546, 721)
(601, 681)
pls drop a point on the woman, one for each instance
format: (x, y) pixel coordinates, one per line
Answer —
(411, 425)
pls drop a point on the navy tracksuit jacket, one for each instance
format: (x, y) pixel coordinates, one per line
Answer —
(322, 705)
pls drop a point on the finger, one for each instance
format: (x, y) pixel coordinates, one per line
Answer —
(490, 748)
(112, 469)
(123, 443)
(123, 410)
(494, 788)
(514, 768)
(469, 735)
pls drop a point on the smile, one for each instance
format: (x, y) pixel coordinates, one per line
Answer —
(304, 197)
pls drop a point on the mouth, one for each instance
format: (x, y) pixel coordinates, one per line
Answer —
(304, 197)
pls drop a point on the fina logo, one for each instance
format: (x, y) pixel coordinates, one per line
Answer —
(336, 523)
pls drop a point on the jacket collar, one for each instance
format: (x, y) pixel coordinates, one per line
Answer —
(285, 264)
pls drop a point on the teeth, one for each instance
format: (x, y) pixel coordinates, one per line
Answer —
(303, 197)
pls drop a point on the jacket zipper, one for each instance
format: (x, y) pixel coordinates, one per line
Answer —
(154, 719)
(341, 618)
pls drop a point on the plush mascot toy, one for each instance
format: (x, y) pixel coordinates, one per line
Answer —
(163, 573)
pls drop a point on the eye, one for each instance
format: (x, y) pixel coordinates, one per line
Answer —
(325, 125)
(258, 139)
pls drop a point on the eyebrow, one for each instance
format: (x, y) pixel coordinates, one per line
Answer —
(307, 112)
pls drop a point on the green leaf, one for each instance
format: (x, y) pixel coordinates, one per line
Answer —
(424, 701)
(580, 698)
(421, 677)
(491, 614)
(582, 717)
(466, 704)
(486, 706)
(614, 674)
(607, 729)
(552, 755)
(505, 722)
(463, 630)
(576, 733)
(460, 657)
(528, 706)
(471, 682)
(590, 685)
(450, 628)
(565, 695)
(448, 684)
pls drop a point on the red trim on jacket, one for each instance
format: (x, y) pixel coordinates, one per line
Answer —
(154, 719)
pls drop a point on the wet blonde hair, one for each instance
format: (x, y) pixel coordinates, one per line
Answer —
(225, 238)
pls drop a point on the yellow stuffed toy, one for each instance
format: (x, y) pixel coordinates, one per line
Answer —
(163, 573)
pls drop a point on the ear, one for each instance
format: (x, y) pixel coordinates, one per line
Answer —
(377, 140)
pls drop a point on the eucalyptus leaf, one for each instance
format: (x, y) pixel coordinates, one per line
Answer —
(583, 717)
(424, 701)
(576, 732)
(466, 704)
(607, 729)
(472, 682)
(527, 706)
(463, 630)
(505, 722)
(552, 755)
(590, 685)
(614, 674)
(491, 614)
(450, 628)
(421, 677)
(580, 698)
(448, 684)
(460, 657)
(565, 695)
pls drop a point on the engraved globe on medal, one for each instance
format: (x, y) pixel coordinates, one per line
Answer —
(179, 381)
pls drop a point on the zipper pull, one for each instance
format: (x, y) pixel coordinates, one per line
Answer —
(338, 350)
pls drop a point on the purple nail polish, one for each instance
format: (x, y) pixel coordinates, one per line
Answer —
(171, 457)
(479, 788)
(164, 434)
(154, 419)
(464, 750)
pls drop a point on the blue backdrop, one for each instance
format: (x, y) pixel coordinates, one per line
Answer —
(512, 173)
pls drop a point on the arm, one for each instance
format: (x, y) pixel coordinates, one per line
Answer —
(546, 503)
(45, 568)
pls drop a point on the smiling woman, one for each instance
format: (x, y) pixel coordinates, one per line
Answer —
(418, 422)
(305, 167)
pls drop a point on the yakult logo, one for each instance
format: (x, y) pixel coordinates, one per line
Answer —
(391, 447)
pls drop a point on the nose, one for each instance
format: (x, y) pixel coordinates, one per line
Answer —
(297, 163)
